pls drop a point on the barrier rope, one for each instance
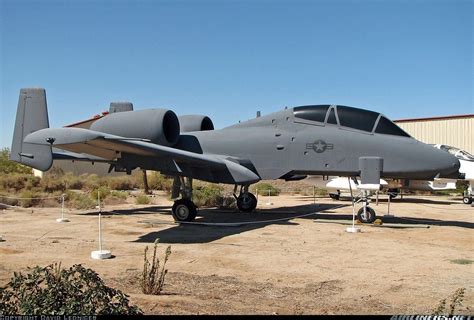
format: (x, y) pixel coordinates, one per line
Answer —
(35, 198)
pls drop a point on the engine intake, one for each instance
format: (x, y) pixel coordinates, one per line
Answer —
(160, 126)
(190, 123)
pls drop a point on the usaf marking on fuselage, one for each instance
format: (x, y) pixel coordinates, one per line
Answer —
(319, 146)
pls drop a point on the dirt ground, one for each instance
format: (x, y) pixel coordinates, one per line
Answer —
(303, 265)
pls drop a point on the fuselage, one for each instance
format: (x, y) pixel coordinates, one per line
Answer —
(284, 143)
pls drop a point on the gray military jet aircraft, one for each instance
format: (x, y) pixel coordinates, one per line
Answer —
(289, 144)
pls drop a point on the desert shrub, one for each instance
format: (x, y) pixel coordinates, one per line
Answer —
(119, 194)
(455, 301)
(8, 167)
(104, 193)
(73, 182)
(51, 184)
(32, 182)
(228, 202)
(56, 291)
(16, 182)
(142, 199)
(208, 195)
(157, 181)
(92, 182)
(121, 183)
(266, 189)
(55, 172)
(153, 278)
(26, 199)
(82, 201)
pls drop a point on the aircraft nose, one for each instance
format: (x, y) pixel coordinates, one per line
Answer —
(447, 165)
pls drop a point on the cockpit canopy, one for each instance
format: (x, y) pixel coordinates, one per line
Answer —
(458, 153)
(350, 117)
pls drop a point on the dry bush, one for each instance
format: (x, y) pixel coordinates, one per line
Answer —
(208, 195)
(29, 199)
(456, 301)
(157, 181)
(51, 184)
(17, 182)
(121, 183)
(81, 201)
(104, 193)
(265, 189)
(153, 278)
(142, 199)
(55, 291)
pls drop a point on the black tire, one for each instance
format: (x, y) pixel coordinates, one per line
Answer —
(392, 193)
(184, 210)
(246, 202)
(334, 196)
(467, 200)
(369, 215)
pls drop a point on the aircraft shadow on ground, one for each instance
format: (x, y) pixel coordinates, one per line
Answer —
(186, 233)
(400, 220)
(407, 199)
(135, 211)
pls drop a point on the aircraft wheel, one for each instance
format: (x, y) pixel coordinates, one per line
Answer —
(467, 200)
(334, 196)
(246, 202)
(184, 210)
(369, 216)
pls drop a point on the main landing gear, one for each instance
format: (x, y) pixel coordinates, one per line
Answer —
(184, 209)
(246, 201)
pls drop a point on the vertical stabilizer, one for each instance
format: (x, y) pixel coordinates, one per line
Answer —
(31, 116)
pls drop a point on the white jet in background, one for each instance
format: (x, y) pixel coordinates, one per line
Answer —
(467, 168)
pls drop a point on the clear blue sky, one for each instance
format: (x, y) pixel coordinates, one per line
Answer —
(229, 59)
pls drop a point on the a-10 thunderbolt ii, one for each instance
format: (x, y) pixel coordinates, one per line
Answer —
(288, 144)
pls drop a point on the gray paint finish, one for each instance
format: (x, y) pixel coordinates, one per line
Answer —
(269, 147)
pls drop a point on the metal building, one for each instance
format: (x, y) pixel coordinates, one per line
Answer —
(456, 131)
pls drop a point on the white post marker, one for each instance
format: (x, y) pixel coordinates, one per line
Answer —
(100, 254)
(388, 215)
(62, 219)
(269, 203)
(352, 229)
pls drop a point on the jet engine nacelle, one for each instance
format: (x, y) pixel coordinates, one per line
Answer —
(160, 126)
(190, 123)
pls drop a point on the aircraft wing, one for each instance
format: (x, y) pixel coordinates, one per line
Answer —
(108, 148)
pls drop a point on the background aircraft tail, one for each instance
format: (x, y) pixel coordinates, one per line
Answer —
(31, 116)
